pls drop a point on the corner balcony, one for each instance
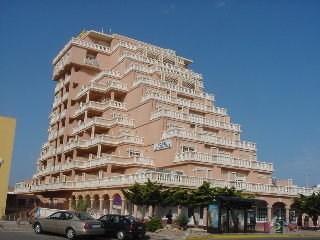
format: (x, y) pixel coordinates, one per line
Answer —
(102, 87)
(51, 151)
(184, 73)
(52, 135)
(224, 160)
(104, 140)
(166, 179)
(99, 106)
(107, 123)
(173, 87)
(184, 102)
(94, 163)
(208, 138)
(56, 102)
(191, 118)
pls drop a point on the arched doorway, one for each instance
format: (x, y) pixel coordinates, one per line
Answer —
(96, 203)
(87, 201)
(278, 211)
(105, 204)
(73, 202)
(116, 204)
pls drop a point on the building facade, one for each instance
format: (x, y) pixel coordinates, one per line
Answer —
(7, 132)
(126, 111)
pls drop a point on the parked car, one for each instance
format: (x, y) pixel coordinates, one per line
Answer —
(69, 223)
(122, 227)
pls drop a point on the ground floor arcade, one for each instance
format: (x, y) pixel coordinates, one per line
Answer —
(267, 208)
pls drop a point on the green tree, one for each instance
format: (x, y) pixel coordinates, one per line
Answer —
(309, 205)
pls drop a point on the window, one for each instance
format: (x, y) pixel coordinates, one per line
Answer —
(262, 214)
(134, 153)
(56, 215)
(188, 149)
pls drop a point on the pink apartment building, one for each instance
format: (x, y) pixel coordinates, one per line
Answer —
(126, 111)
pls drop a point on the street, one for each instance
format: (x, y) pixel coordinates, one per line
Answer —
(28, 235)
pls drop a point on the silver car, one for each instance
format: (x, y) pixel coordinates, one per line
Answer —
(69, 223)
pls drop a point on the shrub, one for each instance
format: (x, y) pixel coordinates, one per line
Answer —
(182, 220)
(154, 224)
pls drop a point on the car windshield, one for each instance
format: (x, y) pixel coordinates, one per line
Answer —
(130, 219)
(83, 216)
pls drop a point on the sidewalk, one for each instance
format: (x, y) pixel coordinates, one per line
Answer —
(297, 235)
(8, 226)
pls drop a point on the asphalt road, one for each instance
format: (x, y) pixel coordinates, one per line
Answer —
(21, 235)
(28, 235)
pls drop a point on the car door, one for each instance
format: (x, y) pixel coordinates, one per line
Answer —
(107, 222)
(63, 222)
(51, 222)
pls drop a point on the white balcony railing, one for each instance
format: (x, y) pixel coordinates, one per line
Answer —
(100, 106)
(98, 121)
(225, 160)
(167, 179)
(184, 103)
(207, 138)
(104, 139)
(102, 87)
(192, 118)
(170, 86)
(97, 162)
(91, 61)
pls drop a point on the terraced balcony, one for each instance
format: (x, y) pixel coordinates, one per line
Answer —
(184, 102)
(167, 179)
(94, 163)
(224, 160)
(99, 106)
(102, 122)
(205, 137)
(195, 119)
(102, 87)
(173, 87)
(104, 140)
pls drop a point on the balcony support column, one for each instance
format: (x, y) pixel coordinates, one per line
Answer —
(109, 169)
(73, 174)
(93, 132)
(70, 203)
(205, 216)
(110, 205)
(91, 202)
(269, 210)
(123, 207)
(135, 210)
(179, 210)
(99, 151)
(77, 201)
(87, 97)
(74, 154)
(287, 214)
(85, 115)
(101, 204)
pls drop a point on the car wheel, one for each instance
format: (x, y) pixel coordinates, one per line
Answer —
(120, 235)
(37, 228)
(70, 234)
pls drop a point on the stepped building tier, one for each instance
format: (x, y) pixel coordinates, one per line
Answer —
(125, 111)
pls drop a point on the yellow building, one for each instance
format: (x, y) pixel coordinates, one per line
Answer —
(7, 131)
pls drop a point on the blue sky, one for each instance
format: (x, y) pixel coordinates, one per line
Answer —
(261, 59)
